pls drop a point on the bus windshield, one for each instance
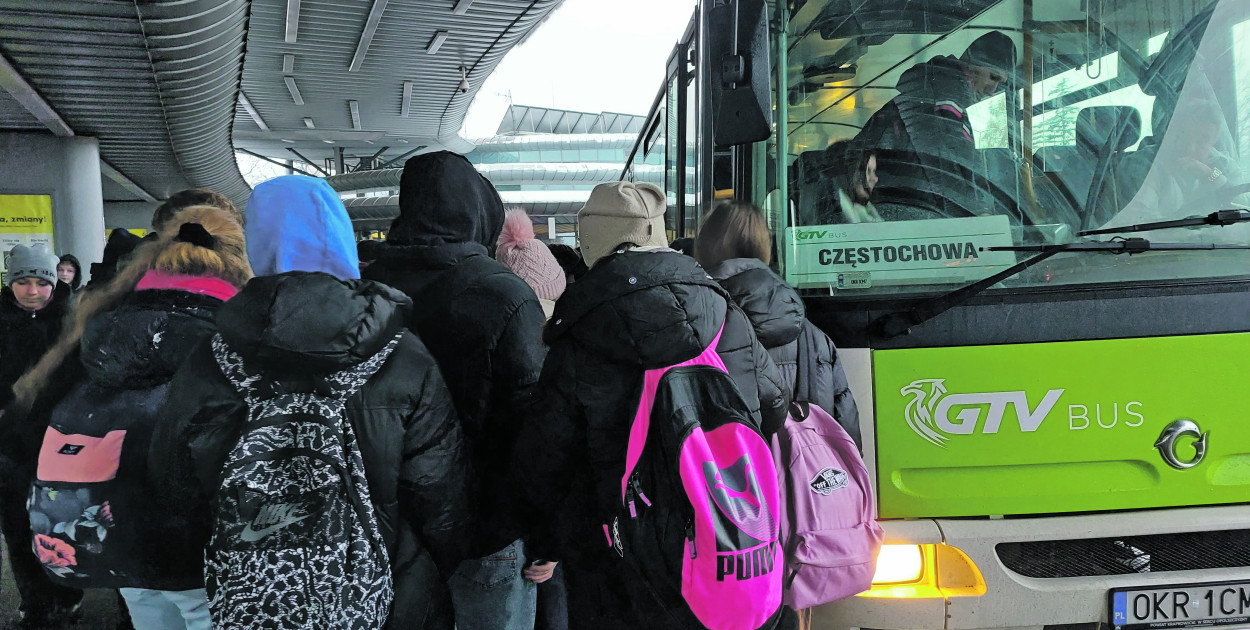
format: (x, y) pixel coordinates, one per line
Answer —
(916, 138)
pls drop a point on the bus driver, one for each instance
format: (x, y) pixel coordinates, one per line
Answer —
(923, 138)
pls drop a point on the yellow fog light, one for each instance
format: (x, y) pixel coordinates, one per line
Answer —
(925, 571)
(899, 564)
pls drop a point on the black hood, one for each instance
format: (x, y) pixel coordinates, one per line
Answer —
(647, 308)
(311, 323)
(443, 199)
(774, 307)
(143, 341)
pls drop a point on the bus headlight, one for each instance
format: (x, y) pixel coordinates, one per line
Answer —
(899, 564)
(925, 571)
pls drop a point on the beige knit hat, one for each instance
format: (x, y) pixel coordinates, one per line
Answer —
(621, 212)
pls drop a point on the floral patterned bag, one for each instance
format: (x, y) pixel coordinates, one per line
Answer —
(78, 497)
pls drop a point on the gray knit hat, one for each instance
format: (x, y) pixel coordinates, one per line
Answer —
(621, 212)
(35, 261)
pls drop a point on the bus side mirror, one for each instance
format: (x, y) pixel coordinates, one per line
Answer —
(738, 59)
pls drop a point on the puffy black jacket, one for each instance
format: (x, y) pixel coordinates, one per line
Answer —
(631, 312)
(806, 356)
(297, 325)
(126, 359)
(26, 335)
(479, 320)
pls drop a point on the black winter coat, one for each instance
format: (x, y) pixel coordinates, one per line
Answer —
(631, 312)
(806, 356)
(293, 327)
(126, 359)
(480, 321)
(483, 325)
(26, 335)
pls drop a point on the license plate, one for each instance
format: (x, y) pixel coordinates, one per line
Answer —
(1182, 606)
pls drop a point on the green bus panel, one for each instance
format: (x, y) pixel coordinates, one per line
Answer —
(1063, 427)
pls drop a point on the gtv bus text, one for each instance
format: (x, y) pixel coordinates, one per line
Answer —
(1079, 416)
(964, 413)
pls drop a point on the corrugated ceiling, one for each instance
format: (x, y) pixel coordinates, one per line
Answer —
(327, 38)
(89, 61)
(157, 82)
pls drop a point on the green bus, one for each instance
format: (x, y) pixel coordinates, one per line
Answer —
(1039, 292)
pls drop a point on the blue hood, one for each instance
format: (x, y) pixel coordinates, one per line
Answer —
(298, 223)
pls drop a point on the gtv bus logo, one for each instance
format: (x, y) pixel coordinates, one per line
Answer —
(929, 410)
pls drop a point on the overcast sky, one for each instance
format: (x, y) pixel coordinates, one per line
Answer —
(590, 55)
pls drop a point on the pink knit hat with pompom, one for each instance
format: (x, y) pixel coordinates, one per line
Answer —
(529, 258)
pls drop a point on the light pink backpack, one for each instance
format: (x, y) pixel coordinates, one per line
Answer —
(829, 529)
(699, 509)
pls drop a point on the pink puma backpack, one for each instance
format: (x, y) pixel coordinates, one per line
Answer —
(699, 509)
(828, 526)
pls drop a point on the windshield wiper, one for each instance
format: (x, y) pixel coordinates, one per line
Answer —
(1220, 218)
(900, 323)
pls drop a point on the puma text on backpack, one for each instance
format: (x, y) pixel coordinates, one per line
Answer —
(829, 529)
(295, 541)
(699, 509)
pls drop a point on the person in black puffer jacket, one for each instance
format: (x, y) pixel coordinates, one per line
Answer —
(641, 305)
(483, 324)
(107, 376)
(299, 325)
(734, 246)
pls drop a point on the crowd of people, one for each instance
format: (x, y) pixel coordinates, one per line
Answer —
(484, 380)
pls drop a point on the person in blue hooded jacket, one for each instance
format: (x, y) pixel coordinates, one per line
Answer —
(298, 223)
(306, 315)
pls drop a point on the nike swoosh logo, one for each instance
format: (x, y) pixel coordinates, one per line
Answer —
(253, 535)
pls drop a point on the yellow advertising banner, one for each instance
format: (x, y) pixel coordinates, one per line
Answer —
(25, 220)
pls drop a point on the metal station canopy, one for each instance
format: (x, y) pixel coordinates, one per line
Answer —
(370, 81)
(158, 82)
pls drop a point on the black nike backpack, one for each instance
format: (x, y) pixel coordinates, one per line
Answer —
(295, 543)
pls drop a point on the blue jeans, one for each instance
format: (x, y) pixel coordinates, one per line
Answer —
(168, 610)
(490, 594)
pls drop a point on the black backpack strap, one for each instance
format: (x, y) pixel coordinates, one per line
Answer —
(232, 368)
(347, 382)
(343, 384)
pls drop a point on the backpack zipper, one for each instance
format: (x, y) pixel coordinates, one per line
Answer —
(694, 553)
(638, 491)
(634, 489)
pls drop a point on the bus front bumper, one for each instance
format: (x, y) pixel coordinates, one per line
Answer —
(1007, 598)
